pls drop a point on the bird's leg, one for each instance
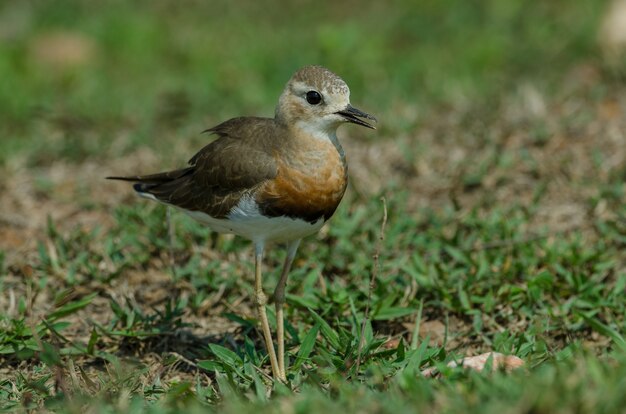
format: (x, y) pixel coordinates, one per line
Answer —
(261, 300)
(279, 298)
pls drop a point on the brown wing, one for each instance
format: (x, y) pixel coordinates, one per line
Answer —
(221, 173)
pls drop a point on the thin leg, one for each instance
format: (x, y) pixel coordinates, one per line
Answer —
(261, 300)
(279, 298)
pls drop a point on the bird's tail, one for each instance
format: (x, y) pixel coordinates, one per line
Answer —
(144, 183)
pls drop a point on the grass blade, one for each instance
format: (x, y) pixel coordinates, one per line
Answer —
(307, 346)
(329, 334)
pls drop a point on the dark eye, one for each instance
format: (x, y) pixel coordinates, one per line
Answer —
(313, 97)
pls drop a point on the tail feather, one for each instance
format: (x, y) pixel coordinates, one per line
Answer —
(158, 178)
(144, 183)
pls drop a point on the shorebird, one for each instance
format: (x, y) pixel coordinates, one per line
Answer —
(269, 179)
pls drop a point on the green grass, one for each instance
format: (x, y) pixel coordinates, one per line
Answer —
(499, 154)
(150, 67)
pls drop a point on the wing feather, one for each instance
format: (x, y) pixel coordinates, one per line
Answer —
(222, 172)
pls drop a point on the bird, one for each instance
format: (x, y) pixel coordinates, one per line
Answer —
(269, 180)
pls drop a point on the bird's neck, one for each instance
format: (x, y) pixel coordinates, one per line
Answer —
(313, 136)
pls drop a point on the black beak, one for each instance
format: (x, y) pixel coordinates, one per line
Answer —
(351, 114)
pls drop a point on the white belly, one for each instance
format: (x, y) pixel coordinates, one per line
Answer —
(246, 220)
(260, 229)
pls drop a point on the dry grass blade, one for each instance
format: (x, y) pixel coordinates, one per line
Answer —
(373, 277)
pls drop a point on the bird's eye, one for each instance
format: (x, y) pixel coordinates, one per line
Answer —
(313, 97)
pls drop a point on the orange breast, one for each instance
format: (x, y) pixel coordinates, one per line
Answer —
(307, 187)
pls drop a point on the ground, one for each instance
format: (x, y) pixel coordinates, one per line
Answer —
(500, 159)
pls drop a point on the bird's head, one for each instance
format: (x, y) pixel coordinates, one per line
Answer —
(317, 100)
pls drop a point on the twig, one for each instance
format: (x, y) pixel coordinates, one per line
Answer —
(373, 277)
(260, 371)
(185, 360)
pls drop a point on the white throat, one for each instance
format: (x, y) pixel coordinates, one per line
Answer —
(322, 132)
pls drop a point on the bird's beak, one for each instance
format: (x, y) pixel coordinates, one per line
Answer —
(351, 114)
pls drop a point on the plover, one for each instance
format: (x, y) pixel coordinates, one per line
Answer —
(269, 179)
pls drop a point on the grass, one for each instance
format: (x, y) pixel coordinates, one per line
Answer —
(500, 156)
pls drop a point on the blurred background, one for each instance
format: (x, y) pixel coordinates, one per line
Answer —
(501, 124)
(480, 102)
(83, 79)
